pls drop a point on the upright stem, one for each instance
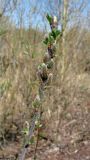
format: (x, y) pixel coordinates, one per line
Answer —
(45, 78)
(35, 156)
(64, 23)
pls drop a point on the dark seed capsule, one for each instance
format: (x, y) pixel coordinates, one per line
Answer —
(44, 78)
(51, 51)
(27, 145)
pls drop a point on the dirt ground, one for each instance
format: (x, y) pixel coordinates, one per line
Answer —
(73, 132)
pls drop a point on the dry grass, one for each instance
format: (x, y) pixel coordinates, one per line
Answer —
(67, 101)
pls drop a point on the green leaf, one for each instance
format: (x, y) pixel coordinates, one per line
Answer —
(49, 18)
(45, 41)
(49, 40)
(55, 33)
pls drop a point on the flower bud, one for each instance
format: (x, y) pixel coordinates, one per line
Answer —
(42, 72)
(46, 57)
(50, 64)
(54, 19)
(54, 23)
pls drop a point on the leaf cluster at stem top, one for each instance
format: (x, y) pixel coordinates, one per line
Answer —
(52, 36)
